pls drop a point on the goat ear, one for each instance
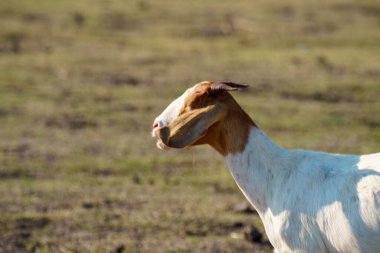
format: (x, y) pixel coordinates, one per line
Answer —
(227, 86)
(190, 126)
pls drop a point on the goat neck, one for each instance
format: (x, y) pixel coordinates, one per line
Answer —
(258, 169)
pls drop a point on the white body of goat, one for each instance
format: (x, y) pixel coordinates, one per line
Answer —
(309, 202)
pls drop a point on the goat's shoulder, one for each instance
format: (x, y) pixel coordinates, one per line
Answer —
(369, 162)
(314, 163)
(326, 175)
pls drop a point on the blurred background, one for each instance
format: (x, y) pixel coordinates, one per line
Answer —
(82, 80)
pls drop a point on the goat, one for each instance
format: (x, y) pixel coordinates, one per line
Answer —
(308, 201)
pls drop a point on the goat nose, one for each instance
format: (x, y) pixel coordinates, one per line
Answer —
(157, 124)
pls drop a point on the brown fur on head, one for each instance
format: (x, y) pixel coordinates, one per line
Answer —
(209, 115)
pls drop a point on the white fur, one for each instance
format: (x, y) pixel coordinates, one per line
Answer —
(311, 201)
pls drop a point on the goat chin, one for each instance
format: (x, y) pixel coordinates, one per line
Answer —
(161, 145)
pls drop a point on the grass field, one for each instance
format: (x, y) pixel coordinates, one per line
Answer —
(82, 81)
